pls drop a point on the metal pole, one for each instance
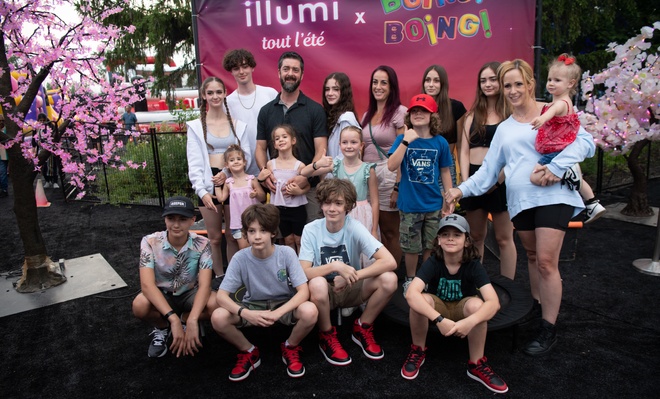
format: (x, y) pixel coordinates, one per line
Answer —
(537, 48)
(198, 65)
(651, 266)
(159, 175)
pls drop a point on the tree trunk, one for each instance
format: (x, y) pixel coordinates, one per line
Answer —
(38, 274)
(638, 203)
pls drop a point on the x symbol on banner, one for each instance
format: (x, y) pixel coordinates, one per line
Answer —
(360, 18)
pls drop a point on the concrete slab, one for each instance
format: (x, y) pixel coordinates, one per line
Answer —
(87, 275)
(614, 212)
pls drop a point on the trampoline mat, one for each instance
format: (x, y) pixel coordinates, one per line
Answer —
(515, 303)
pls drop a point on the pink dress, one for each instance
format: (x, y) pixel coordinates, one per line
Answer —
(282, 176)
(239, 200)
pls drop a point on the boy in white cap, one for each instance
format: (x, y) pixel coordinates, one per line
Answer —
(454, 275)
(175, 276)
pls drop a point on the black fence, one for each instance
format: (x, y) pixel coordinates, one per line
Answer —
(163, 171)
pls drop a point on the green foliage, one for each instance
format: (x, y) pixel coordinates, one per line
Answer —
(584, 28)
(162, 28)
(138, 186)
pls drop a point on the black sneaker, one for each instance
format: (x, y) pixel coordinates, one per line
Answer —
(481, 371)
(572, 178)
(545, 340)
(414, 361)
(158, 346)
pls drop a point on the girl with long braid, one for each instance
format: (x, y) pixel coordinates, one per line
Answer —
(208, 139)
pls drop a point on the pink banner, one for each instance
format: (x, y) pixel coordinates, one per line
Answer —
(356, 36)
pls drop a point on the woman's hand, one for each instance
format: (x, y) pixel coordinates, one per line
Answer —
(207, 199)
(219, 179)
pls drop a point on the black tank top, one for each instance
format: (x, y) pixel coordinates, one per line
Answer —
(478, 140)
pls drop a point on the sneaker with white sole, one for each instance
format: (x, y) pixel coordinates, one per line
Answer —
(406, 284)
(158, 346)
(55, 185)
(47, 185)
(594, 211)
(347, 312)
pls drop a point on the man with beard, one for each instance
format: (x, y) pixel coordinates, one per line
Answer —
(308, 119)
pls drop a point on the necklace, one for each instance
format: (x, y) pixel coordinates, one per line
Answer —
(254, 100)
(522, 118)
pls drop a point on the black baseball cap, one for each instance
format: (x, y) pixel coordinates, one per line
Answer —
(179, 206)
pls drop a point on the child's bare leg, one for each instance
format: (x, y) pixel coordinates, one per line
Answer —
(585, 191)
(536, 177)
(290, 241)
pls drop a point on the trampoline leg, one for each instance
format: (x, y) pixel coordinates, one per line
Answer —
(514, 338)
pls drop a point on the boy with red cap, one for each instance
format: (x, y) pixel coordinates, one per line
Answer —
(422, 157)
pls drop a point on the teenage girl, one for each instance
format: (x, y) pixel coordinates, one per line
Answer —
(208, 139)
(488, 110)
(241, 189)
(435, 83)
(361, 174)
(289, 198)
(339, 108)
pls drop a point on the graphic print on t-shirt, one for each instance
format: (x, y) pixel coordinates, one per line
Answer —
(420, 165)
(449, 290)
(332, 254)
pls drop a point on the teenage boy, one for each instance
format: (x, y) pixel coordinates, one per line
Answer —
(330, 255)
(175, 276)
(275, 290)
(246, 101)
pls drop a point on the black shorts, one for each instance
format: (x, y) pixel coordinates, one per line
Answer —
(550, 216)
(292, 220)
(181, 303)
(493, 202)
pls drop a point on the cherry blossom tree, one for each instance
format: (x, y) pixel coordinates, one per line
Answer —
(40, 45)
(624, 118)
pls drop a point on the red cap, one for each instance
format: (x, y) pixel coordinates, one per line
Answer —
(425, 101)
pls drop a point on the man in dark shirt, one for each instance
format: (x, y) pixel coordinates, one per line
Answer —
(306, 116)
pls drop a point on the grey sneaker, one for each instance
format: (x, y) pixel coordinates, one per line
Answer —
(406, 284)
(55, 185)
(158, 346)
(594, 211)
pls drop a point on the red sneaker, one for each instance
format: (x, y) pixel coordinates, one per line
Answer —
(291, 357)
(482, 372)
(364, 336)
(414, 361)
(332, 350)
(245, 363)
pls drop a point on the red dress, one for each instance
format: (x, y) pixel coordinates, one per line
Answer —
(558, 132)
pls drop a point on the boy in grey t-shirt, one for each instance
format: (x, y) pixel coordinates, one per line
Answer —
(275, 290)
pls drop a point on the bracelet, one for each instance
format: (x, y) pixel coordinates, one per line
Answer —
(260, 181)
(168, 314)
(239, 311)
(314, 166)
(396, 189)
(438, 319)
(405, 142)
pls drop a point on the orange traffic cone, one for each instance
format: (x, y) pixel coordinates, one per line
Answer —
(40, 195)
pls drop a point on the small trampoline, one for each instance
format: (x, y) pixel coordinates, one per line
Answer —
(515, 303)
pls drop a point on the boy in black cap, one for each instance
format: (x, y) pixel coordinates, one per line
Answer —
(454, 275)
(175, 276)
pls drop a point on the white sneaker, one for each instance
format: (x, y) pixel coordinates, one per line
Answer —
(55, 185)
(594, 211)
(573, 178)
(47, 185)
(346, 312)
